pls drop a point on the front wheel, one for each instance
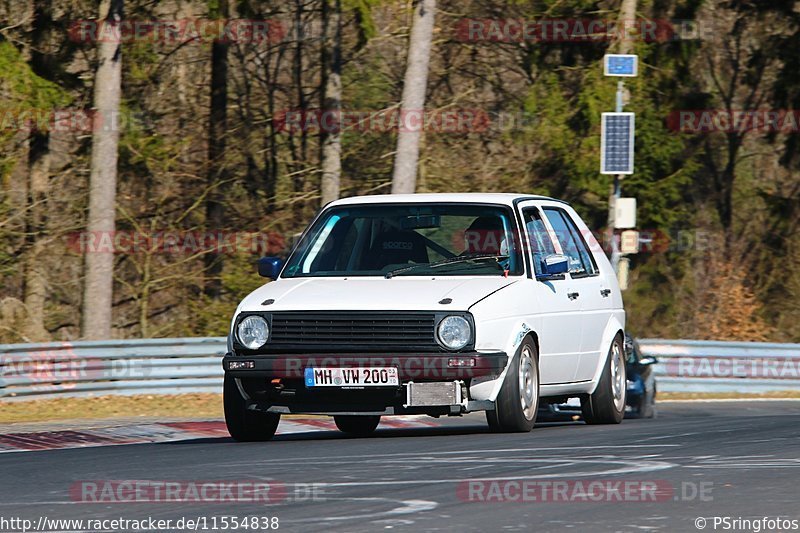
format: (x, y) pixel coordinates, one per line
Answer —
(606, 405)
(518, 400)
(359, 426)
(246, 425)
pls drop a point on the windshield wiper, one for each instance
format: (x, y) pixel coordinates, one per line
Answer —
(450, 261)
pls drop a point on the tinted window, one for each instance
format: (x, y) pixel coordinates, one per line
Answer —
(541, 245)
(581, 261)
(370, 240)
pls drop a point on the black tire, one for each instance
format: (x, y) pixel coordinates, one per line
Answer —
(604, 405)
(246, 425)
(641, 410)
(647, 410)
(648, 407)
(358, 426)
(515, 412)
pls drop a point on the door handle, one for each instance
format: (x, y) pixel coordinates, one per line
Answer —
(605, 292)
(573, 295)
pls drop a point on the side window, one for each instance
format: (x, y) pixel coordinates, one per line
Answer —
(541, 245)
(581, 261)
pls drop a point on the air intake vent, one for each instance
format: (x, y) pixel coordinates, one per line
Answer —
(353, 331)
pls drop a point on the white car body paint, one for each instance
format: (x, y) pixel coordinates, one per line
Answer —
(573, 335)
(402, 293)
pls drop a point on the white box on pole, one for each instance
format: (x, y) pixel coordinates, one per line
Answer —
(625, 213)
(629, 242)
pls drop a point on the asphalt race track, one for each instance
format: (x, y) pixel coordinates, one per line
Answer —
(734, 459)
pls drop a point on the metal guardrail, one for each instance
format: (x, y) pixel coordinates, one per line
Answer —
(169, 366)
(717, 366)
(96, 368)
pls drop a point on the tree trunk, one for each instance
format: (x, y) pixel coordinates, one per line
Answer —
(331, 141)
(627, 20)
(412, 105)
(35, 281)
(300, 159)
(35, 274)
(99, 266)
(217, 130)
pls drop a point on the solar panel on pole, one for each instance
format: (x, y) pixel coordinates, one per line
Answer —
(616, 143)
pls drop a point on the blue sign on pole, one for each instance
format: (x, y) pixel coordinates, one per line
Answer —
(625, 65)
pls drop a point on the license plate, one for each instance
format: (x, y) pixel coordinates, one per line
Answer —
(351, 377)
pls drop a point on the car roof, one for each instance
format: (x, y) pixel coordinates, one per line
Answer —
(466, 197)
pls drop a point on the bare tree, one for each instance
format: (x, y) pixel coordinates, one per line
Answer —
(35, 280)
(739, 75)
(627, 21)
(35, 275)
(413, 100)
(217, 129)
(99, 265)
(331, 141)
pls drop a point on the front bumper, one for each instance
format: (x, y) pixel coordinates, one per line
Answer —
(411, 367)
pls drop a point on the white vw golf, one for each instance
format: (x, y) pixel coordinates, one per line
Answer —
(437, 304)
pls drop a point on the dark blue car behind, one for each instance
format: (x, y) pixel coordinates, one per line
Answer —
(641, 398)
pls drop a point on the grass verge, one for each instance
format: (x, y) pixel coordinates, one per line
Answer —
(665, 396)
(210, 406)
(101, 407)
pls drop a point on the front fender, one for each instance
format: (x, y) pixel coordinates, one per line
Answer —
(482, 388)
(231, 333)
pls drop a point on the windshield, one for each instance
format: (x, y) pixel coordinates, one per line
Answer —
(376, 239)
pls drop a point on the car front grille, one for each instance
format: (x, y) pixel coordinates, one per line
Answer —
(353, 331)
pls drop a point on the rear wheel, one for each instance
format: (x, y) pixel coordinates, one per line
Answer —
(246, 425)
(606, 405)
(518, 400)
(359, 426)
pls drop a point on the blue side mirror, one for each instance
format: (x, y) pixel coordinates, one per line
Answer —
(270, 267)
(647, 360)
(553, 265)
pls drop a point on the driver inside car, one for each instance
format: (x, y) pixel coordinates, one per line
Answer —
(486, 236)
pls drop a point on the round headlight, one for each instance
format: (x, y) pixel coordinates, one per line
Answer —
(454, 332)
(253, 332)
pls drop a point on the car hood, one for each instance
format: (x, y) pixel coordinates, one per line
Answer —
(373, 294)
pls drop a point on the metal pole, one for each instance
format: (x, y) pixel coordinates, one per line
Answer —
(616, 194)
(627, 18)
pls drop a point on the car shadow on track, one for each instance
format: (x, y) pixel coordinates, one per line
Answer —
(382, 433)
